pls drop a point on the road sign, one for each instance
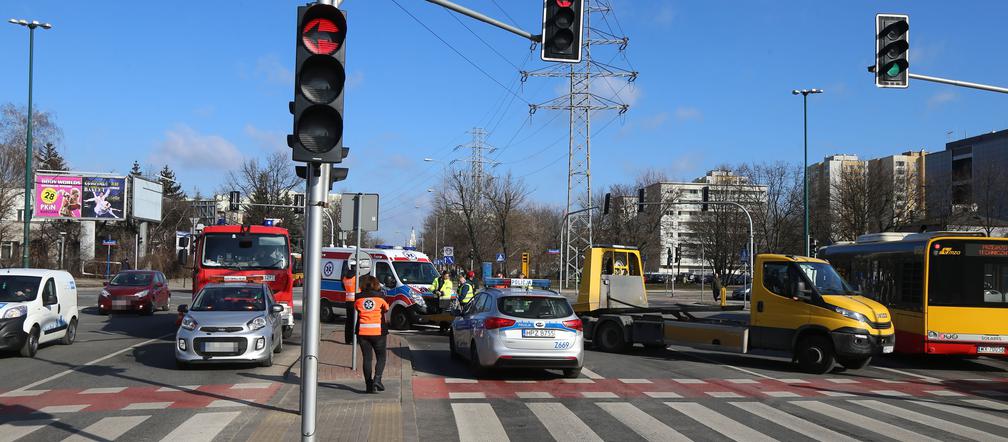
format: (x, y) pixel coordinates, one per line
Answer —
(449, 251)
(368, 211)
(449, 260)
(500, 257)
(552, 251)
(109, 242)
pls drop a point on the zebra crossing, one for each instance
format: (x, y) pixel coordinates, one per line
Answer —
(177, 425)
(831, 419)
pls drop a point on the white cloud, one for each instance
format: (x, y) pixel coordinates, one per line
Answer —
(269, 68)
(941, 98)
(266, 140)
(685, 113)
(654, 121)
(183, 147)
(617, 89)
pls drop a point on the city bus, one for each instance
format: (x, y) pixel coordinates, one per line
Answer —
(246, 253)
(947, 291)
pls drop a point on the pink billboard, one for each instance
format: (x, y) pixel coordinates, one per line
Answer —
(58, 196)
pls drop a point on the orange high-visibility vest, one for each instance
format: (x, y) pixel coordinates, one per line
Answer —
(369, 315)
(349, 286)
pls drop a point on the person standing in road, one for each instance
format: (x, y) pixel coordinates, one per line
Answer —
(443, 288)
(465, 291)
(371, 331)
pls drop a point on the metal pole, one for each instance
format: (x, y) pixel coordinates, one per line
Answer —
(314, 197)
(805, 171)
(983, 87)
(485, 19)
(29, 153)
(357, 225)
(332, 228)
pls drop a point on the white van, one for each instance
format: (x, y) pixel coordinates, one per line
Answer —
(36, 306)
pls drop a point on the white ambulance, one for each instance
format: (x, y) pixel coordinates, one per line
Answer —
(36, 306)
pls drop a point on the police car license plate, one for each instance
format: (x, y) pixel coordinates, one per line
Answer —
(991, 350)
(219, 346)
(538, 333)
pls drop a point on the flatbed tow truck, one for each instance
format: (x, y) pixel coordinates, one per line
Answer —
(800, 306)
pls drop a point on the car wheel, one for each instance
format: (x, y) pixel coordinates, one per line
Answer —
(399, 319)
(268, 362)
(102, 311)
(815, 354)
(451, 346)
(571, 373)
(149, 310)
(30, 346)
(474, 361)
(610, 338)
(288, 331)
(325, 312)
(279, 346)
(854, 363)
(71, 332)
(181, 365)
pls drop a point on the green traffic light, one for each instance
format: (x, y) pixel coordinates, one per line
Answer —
(894, 70)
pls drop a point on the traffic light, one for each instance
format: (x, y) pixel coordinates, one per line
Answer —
(640, 200)
(234, 201)
(336, 174)
(605, 206)
(678, 254)
(892, 50)
(562, 26)
(706, 197)
(669, 259)
(299, 200)
(319, 77)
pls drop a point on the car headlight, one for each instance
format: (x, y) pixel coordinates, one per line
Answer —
(15, 312)
(257, 323)
(140, 294)
(104, 294)
(189, 323)
(417, 298)
(851, 314)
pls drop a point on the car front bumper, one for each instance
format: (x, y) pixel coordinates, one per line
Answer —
(12, 334)
(127, 304)
(861, 343)
(244, 343)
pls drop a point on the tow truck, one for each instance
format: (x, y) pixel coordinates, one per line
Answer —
(800, 306)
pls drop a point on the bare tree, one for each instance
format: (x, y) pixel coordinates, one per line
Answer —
(266, 184)
(778, 219)
(464, 202)
(990, 202)
(723, 230)
(506, 195)
(850, 198)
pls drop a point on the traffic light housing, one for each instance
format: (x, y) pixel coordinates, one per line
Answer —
(706, 197)
(335, 174)
(562, 30)
(892, 50)
(605, 205)
(319, 78)
(234, 201)
(640, 200)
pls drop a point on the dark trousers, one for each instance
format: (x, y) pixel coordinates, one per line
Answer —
(376, 345)
(351, 322)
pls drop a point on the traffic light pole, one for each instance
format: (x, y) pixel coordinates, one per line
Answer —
(487, 19)
(315, 198)
(983, 87)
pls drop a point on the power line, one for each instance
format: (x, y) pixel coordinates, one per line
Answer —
(495, 51)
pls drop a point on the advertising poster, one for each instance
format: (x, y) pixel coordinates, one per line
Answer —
(58, 196)
(104, 198)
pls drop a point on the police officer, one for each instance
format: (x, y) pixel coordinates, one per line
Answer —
(465, 292)
(371, 330)
(350, 289)
(443, 288)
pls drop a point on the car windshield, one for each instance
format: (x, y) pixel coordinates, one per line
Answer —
(131, 279)
(415, 272)
(826, 280)
(235, 251)
(18, 288)
(535, 307)
(230, 299)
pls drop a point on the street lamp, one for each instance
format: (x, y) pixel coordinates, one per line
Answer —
(805, 93)
(437, 217)
(31, 25)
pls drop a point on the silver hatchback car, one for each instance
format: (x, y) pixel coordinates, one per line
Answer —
(517, 327)
(230, 322)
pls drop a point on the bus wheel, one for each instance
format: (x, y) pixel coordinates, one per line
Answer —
(325, 312)
(399, 319)
(854, 363)
(815, 354)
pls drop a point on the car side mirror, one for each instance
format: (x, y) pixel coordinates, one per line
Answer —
(801, 292)
(277, 308)
(183, 308)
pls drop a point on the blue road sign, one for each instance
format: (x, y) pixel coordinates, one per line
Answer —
(449, 260)
(500, 257)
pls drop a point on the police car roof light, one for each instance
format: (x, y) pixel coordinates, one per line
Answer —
(409, 248)
(383, 246)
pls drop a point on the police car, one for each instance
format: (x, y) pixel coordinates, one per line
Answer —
(523, 327)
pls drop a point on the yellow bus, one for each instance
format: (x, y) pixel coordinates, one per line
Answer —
(947, 291)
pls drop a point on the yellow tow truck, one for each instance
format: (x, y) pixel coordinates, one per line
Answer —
(800, 305)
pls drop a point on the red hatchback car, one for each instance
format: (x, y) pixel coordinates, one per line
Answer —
(135, 290)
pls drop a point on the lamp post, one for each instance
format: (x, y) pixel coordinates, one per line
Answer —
(805, 93)
(31, 25)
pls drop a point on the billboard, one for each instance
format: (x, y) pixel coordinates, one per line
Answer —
(145, 199)
(80, 197)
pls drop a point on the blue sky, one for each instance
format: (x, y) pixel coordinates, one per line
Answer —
(202, 85)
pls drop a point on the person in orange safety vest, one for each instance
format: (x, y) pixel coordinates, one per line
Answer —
(371, 330)
(350, 291)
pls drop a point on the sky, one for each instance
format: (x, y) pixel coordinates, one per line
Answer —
(202, 86)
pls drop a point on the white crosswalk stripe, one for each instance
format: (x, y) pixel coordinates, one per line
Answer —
(478, 422)
(718, 422)
(109, 428)
(562, 423)
(201, 427)
(862, 421)
(16, 430)
(930, 421)
(971, 412)
(792, 422)
(642, 423)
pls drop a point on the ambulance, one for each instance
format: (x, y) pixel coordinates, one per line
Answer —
(405, 273)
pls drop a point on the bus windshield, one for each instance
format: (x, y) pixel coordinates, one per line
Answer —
(826, 280)
(415, 272)
(968, 274)
(245, 251)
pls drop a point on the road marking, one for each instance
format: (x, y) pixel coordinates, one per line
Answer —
(109, 428)
(251, 385)
(562, 423)
(178, 388)
(578, 381)
(907, 373)
(891, 381)
(990, 393)
(201, 427)
(635, 381)
(63, 408)
(663, 394)
(148, 406)
(224, 403)
(944, 393)
(860, 420)
(931, 421)
(989, 404)
(520, 382)
(19, 429)
(590, 374)
(843, 381)
(466, 395)
(718, 422)
(599, 395)
(478, 422)
(971, 413)
(690, 381)
(781, 394)
(749, 372)
(108, 356)
(641, 423)
(23, 393)
(103, 390)
(534, 395)
(460, 381)
(889, 393)
(723, 394)
(793, 381)
(742, 381)
(836, 393)
(791, 422)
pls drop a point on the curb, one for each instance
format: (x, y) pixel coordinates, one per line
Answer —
(410, 431)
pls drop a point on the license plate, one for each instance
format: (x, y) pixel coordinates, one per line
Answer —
(887, 349)
(121, 302)
(989, 350)
(538, 333)
(219, 346)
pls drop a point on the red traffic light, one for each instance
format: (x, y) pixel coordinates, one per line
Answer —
(324, 35)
